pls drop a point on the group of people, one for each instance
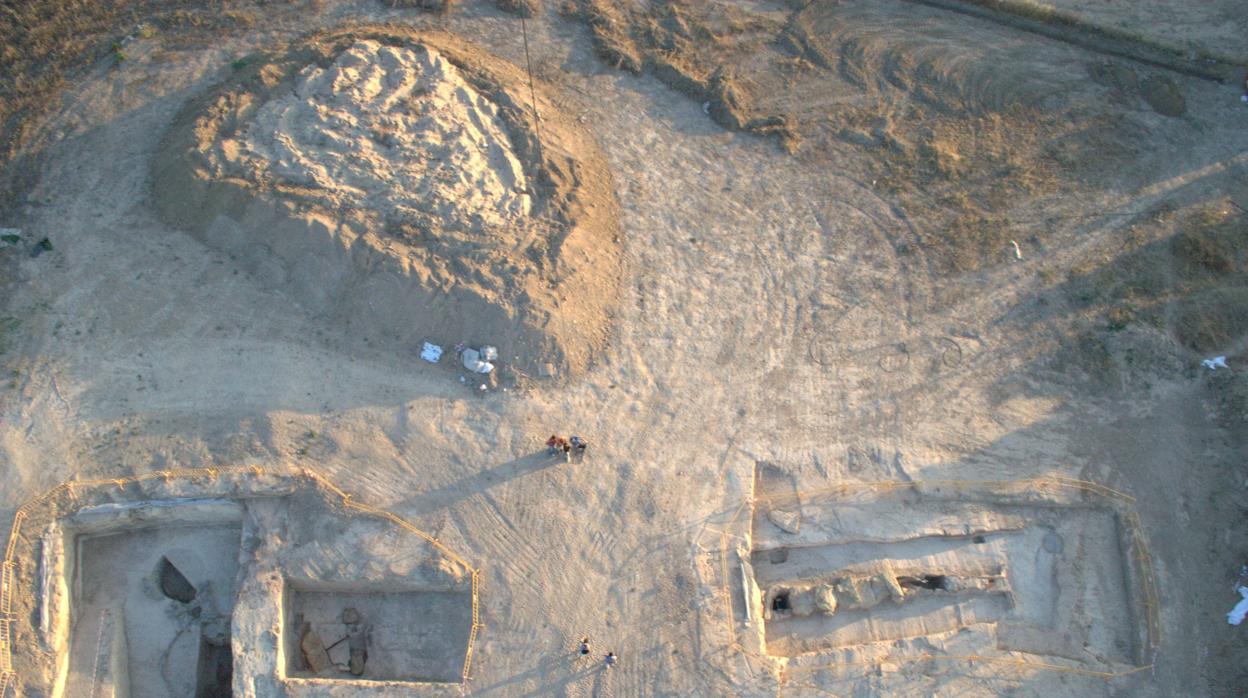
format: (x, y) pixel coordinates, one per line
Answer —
(573, 447)
(608, 659)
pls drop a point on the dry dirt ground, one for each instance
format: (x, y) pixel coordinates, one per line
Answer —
(926, 247)
(1215, 27)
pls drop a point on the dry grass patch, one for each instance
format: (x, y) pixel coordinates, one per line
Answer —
(1182, 270)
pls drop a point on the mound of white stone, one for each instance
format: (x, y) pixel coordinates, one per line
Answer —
(394, 130)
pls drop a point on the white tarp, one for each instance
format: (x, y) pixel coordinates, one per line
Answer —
(473, 362)
(431, 353)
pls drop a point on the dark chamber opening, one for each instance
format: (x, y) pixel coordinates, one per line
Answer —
(927, 581)
(214, 673)
(174, 584)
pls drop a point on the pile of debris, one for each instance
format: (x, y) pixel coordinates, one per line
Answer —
(479, 361)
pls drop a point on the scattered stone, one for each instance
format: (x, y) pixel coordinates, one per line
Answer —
(313, 649)
(356, 664)
(893, 586)
(357, 642)
(788, 521)
(825, 599)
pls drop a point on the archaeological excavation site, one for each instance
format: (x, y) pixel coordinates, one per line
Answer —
(832, 574)
(516, 348)
(189, 583)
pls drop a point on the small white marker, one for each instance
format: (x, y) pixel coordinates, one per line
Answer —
(1018, 254)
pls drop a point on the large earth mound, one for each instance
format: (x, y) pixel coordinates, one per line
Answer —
(393, 181)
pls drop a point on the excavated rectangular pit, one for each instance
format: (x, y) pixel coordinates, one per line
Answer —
(156, 597)
(376, 635)
(214, 672)
(1032, 574)
(152, 612)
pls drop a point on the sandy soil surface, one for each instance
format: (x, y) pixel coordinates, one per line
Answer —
(955, 251)
(1218, 27)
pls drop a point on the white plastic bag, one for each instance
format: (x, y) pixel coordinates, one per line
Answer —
(1215, 363)
(473, 362)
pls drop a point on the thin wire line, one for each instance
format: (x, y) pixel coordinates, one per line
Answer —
(528, 62)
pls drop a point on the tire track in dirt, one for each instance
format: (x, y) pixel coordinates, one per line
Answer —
(1109, 41)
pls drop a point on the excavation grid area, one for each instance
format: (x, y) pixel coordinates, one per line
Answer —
(377, 635)
(1036, 575)
(153, 616)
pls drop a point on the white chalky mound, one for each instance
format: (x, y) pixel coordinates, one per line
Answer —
(391, 182)
(393, 129)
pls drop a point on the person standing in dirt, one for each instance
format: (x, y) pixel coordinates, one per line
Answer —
(554, 445)
(578, 448)
(610, 659)
(584, 646)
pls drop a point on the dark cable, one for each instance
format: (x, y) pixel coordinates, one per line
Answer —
(528, 62)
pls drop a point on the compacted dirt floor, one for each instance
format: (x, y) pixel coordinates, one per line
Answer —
(857, 242)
